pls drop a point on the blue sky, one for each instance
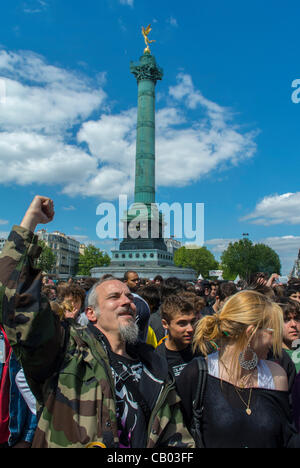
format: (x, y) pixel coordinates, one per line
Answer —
(227, 128)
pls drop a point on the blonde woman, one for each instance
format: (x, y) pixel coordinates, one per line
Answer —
(245, 402)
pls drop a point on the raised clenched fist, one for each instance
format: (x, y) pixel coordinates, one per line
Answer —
(40, 211)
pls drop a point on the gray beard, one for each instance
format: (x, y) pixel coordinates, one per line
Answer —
(129, 333)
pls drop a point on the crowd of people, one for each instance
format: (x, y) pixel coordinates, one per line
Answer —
(132, 362)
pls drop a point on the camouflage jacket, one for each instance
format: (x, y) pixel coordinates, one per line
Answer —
(66, 367)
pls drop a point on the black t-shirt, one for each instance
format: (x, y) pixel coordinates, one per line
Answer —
(177, 360)
(225, 423)
(138, 382)
(127, 407)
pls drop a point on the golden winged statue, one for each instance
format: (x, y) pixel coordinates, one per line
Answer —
(146, 32)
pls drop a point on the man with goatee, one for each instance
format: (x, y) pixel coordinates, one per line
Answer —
(96, 386)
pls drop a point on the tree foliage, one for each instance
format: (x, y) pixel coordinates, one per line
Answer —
(243, 258)
(267, 260)
(92, 257)
(47, 259)
(200, 259)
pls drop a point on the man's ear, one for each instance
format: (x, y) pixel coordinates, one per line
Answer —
(165, 324)
(91, 314)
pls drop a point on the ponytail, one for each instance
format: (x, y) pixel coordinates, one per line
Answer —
(243, 309)
(208, 332)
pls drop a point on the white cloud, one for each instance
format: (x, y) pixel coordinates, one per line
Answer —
(35, 6)
(69, 208)
(3, 222)
(219, 245)
(27, 158)
(283, 244)
(185, 90)
(276, 209)
(43, 97)
(108, 183)
(111, 139)
(44, 103)
(184, 155)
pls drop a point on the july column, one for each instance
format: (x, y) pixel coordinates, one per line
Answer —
(147, 73)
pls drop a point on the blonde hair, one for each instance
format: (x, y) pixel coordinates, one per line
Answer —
(243, 309)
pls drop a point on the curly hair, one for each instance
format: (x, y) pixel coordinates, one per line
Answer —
(73, 290)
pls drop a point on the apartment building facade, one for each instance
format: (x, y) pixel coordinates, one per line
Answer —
(66, 250)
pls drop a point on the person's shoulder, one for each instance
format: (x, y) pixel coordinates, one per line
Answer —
(140, 302)
(192, 368)
(189, 380)
(137, 298)
(279, 376)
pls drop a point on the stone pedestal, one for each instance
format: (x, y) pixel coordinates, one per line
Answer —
(185, 274)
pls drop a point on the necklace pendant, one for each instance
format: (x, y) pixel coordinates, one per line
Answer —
(248, 411)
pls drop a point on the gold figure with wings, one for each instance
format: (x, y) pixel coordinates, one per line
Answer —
(146, 32)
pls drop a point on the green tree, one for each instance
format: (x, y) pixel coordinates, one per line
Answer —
(243, 258)
(47, 259)
(200, 259)
(267, 260)
(92, 257)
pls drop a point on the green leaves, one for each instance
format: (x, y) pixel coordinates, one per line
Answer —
(243, 258)
(200, 259)
(92, 257)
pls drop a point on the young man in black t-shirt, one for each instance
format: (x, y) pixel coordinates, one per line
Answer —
(179, 320)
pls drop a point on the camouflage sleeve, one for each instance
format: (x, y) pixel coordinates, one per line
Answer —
(32, 329)
(168, 428)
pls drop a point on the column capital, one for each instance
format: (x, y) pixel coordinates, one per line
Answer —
(146, 69)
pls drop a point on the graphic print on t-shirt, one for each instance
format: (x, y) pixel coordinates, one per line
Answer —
(126, 405)
(128, 373)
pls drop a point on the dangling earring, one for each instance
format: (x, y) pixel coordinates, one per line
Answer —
(250, 364)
